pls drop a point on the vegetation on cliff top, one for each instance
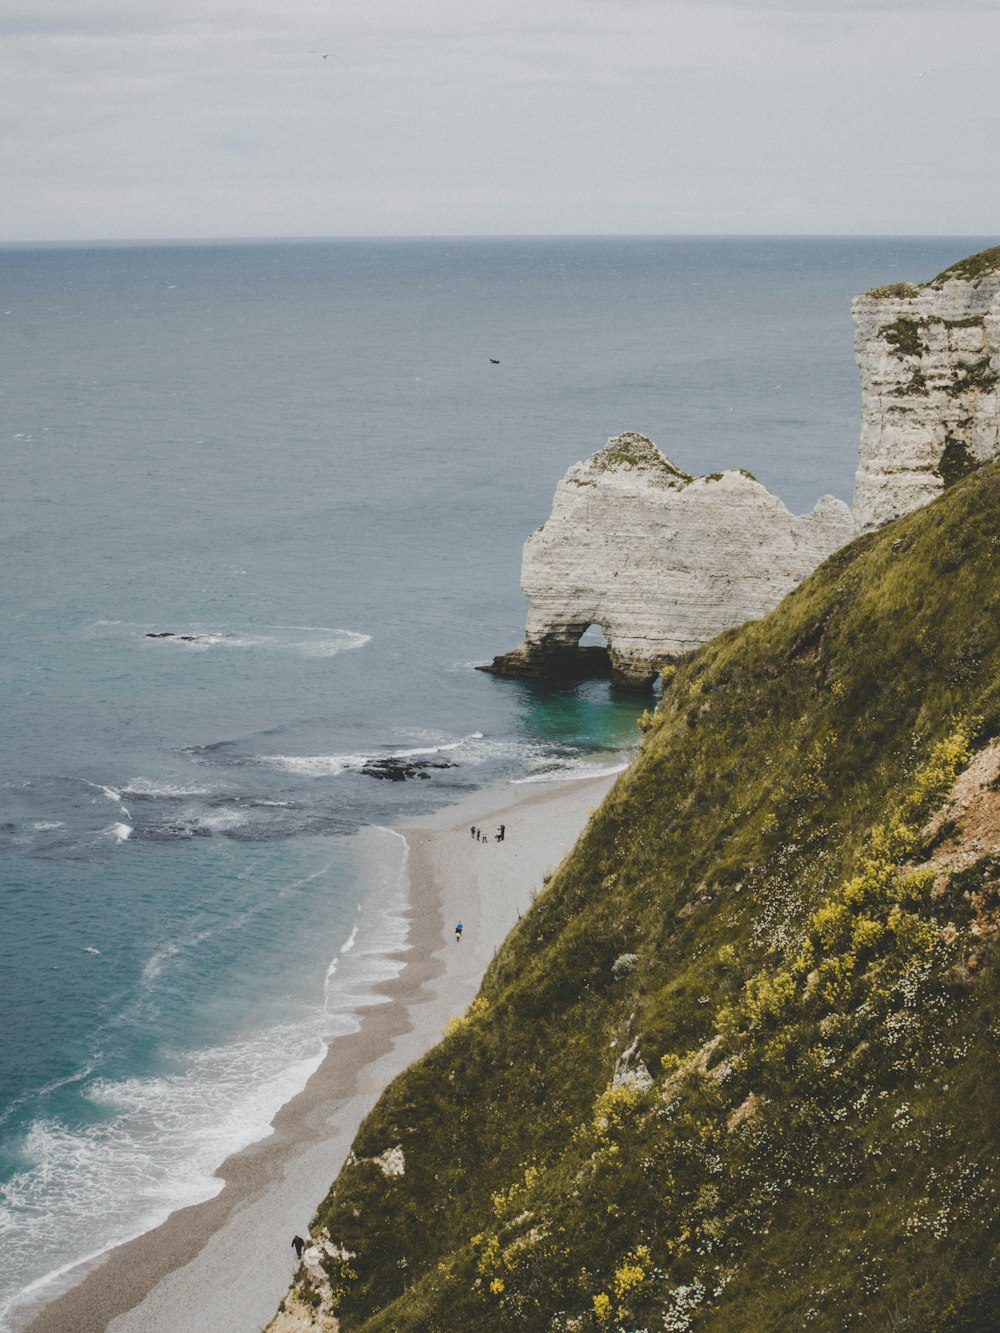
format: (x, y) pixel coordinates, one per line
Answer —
(971, 269)
(737, 1069)
(897, 290)
(633, 450)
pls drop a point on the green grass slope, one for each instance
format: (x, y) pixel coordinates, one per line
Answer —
(805, 1014)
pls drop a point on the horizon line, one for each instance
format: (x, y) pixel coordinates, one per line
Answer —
(124, 241)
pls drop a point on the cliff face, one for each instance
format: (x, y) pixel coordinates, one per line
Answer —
(661, 561)
(929, 358)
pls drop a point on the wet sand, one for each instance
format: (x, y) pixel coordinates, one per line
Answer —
(225, 1264)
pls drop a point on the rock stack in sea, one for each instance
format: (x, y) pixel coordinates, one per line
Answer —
(659, 560)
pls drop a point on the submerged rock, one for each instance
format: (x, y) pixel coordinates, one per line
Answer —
(394, 769)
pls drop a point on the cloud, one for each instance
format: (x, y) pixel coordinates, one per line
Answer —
(218, 117)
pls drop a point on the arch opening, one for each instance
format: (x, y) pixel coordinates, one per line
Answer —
(593, 637)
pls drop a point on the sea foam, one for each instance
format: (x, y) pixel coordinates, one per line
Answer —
(302, 640)
(570, 771)
(159, 1139)
(169, 790)
(331, 765)
(158, 1146)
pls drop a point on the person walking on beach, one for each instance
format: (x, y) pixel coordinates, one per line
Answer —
(500, 832)
(472, 831)
(298, 1245)
(458, 933)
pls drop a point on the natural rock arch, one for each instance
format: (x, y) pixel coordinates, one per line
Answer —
(660, 560)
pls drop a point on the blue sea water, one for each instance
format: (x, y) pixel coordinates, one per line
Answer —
(301, 455)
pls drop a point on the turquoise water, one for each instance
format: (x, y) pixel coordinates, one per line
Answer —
(302, 456)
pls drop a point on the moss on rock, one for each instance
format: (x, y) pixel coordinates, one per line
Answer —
(904, 335)
(956, 461)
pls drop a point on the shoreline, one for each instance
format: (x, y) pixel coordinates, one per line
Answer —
(221, 1263)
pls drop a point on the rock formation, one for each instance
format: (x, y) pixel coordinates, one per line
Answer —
(661, 561)
(929, 358)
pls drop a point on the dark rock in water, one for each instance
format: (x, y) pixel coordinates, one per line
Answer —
(552, 662)
(170, 831)
(561, 661)
(187, 638)
(164, 634)
(398, 770)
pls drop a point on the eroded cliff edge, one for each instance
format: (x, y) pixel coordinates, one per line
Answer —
(661, 561)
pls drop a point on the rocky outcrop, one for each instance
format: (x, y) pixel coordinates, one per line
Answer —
(929, 358)
(394, 768)
(659, 560)
(299, 1315)
(306, 1306)
(631, 1071)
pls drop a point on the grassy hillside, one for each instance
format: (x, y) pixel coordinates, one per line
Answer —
(796, 988)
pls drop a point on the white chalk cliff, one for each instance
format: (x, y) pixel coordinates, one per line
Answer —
(929, 358)
(661, 561)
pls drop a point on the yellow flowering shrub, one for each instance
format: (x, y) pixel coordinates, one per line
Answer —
(632, 1271)
(602, 1307)
(612, 1109)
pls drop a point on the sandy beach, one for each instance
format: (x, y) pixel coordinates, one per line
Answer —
(225, 1264)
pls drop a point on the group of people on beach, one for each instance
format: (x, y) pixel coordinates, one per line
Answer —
(480, 836)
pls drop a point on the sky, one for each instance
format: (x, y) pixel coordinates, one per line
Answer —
(128, 119)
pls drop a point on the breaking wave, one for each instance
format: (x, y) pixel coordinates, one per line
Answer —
(570, 770)
(155, 1141)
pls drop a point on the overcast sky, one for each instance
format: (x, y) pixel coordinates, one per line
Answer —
(210, 118)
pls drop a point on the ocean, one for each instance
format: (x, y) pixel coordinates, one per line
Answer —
(301, 457)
